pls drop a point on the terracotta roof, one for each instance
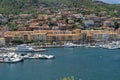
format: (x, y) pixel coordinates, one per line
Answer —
(62, 34)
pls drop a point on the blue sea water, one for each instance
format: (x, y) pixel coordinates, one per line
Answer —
(82, 63)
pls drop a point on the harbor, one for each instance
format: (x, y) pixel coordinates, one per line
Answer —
(13, 55)
(43, 48)
(81, 62)
(59, 40)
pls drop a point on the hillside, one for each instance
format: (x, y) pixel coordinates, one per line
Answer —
(30, 6)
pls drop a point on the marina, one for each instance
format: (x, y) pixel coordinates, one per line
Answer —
(21, 52)
(59, 40)
(81, 62)
(25, 50)
(14, 57)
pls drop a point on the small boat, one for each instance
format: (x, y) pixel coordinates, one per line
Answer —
(39, 50)
(69, 45)
(47, 56)
(11, 58)
(31, 56)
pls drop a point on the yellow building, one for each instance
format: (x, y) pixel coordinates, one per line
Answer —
(38, 36)
(100, 35)
(61, 35)
(43, 35)
(58, 35)
(105, 35)
(14, 35)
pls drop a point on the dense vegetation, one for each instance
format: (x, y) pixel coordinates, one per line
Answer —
(12, 9)
(29, 6)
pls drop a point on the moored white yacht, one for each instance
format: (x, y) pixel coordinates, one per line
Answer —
(26, 48)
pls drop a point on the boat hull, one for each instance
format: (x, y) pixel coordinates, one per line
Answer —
(14, 61)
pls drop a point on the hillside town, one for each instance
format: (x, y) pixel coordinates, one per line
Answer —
(62, 26)
(59, 39)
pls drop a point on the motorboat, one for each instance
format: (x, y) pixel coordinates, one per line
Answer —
(69, 45)
(46, 56)
(31, 56)
(39, 50)
(10, 58)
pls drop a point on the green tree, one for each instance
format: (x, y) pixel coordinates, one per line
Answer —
(116, 25)
(68, 78)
